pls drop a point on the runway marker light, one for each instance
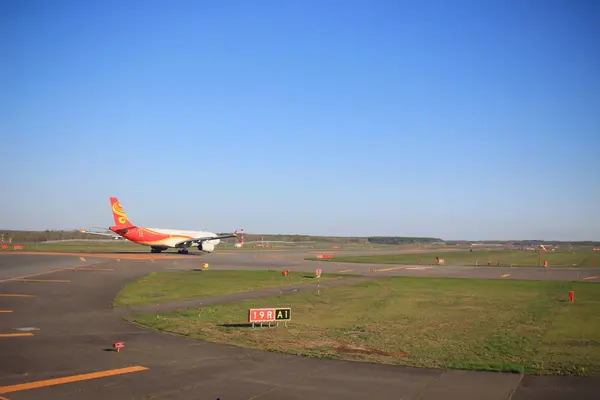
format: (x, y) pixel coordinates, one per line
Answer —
(82, 259)
(545, 263)
(118, 346)
(318, 273)
(571, 297)
(204, 265)
(284, 272)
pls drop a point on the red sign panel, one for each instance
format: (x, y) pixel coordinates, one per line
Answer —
(261, 315)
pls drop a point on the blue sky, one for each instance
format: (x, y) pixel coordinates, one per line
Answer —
(452, 119)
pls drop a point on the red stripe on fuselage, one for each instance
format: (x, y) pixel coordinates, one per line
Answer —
(143, 235)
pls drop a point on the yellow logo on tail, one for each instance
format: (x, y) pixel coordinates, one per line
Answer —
(118, 210)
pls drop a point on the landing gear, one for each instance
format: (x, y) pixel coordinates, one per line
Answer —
(155, 249)
(183, 251)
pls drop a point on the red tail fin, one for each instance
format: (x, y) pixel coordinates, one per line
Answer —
(121, 220)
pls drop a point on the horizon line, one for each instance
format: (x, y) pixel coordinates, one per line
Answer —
(356, 236)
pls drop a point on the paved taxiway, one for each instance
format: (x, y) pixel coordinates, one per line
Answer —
(71, 327)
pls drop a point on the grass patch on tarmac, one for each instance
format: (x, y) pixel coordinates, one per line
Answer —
(518, 258)
(158, 287)
(516, 326)
(104, 246)
(83, 246)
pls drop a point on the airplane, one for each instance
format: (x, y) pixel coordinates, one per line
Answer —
(162, 239)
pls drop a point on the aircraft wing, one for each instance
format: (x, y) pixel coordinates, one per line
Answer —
(191, 242)
(97, 233)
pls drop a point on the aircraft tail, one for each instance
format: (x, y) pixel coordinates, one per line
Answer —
(121, 219)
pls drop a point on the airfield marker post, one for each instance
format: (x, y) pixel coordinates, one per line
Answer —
(268, 315)
(118, 346)
(318, 273)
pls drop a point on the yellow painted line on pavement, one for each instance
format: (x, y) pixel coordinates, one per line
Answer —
(15, 335)
(70, 379)
(16, 295)
(20, 278)
(43, 280)
(92, 269)
(387, 269)
(5, 311)
(505, 275)
(346, 270)
(589, 277)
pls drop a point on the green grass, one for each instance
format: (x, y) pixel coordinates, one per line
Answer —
(517, 326)
(105, 246)
(92, 246)
(505, 257)
(160, 287)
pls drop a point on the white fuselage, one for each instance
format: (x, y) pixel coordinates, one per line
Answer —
(177, 236)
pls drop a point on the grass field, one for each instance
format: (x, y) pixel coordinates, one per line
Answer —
(96, 246)
(81, 246)
(518, 326)
(168, 286)
(103, 246)
(505, 257)
(108, 246)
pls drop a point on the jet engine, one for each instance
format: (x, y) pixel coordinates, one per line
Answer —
(206, 246)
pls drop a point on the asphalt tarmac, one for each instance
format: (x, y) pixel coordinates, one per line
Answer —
(59, 328)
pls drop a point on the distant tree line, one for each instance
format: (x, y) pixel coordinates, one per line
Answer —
(524, 242)
(401, 240)
(43, 236)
